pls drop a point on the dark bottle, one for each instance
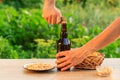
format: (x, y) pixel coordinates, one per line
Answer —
(63, 43)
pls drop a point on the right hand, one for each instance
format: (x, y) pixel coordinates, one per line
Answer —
(51, 14)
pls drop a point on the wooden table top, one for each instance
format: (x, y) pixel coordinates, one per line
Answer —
(12, 69)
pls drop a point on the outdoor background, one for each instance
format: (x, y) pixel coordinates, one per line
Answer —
(25, 34)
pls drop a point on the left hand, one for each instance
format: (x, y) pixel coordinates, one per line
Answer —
(51, 14)
(71, 58)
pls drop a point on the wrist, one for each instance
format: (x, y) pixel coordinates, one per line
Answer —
(49, 3)
(88, 49)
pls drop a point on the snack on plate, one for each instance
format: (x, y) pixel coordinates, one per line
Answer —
(93, 60)
(38, 66)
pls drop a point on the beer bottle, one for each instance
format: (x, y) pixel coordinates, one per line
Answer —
(63, 43)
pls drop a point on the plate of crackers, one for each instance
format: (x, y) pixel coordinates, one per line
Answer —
(39, 66)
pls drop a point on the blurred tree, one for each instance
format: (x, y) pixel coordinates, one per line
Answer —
(66, 1)
(82, 2)
(24, 3)
(112, 3)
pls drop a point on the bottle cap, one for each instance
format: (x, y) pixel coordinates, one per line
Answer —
(64, 24)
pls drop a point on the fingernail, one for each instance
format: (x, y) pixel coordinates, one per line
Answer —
(56, 62)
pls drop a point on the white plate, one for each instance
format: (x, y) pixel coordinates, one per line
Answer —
(38, 66)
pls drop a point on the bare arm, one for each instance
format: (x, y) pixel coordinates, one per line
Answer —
(110, 34)
(48, 3)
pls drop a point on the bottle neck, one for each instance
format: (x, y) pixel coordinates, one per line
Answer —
(64, 27)
(64, 33)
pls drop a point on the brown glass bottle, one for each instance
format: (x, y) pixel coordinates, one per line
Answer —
(63, 43)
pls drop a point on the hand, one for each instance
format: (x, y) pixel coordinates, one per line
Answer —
(51, 14)
(71, 58)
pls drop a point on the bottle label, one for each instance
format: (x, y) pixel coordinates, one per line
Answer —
(66, 41)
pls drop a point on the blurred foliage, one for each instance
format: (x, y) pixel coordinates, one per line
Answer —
(45, 48)
(25, 34)
(24, 3)
(6, 50)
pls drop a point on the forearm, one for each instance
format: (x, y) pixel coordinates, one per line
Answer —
(110, 34)
(49, 3)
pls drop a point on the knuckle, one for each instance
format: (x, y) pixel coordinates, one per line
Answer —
(53, 14)
(69, 61)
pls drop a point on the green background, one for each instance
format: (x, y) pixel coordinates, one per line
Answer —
(25, 34)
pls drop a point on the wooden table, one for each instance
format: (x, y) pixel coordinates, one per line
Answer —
(12, 69)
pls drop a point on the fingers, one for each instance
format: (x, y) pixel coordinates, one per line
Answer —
(64, 66)
(59, 19)
(61, 60)
(61, 54)
(67, 67)
(53, 19)
(49, 20)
